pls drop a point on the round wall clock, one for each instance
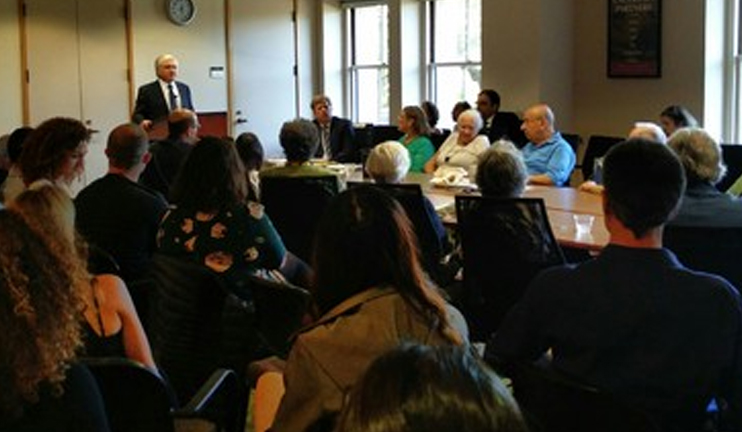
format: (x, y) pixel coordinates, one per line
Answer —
(181, 12)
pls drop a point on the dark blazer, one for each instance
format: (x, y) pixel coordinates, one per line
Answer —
(505, 125)
(341, 140)
(151, 103)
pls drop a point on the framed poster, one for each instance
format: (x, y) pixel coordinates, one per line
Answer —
(634, 38)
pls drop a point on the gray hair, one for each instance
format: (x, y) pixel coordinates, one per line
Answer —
(650, 131)
(501, 171)
(388, 162)
(473, 114)
(700, 154)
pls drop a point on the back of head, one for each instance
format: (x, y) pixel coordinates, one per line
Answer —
(431, 113)
(127, 144)
(40, 304)
(299, 139)
(388, 162)
(211, 178)
(46, 148)
(648, 131)
(700, 155)
(417, 388)
(250, 150)
(179, 121)
(501, 171)
(644, 182)
(15, 142)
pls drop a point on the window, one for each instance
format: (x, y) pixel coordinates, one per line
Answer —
(455, 53)
(369, 64)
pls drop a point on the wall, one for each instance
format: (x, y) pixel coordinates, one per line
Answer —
(11, 114)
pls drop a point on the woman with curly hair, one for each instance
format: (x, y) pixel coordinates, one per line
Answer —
(112, 327)
(40, 305)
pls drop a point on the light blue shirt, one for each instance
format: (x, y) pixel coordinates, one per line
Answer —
(554, 158)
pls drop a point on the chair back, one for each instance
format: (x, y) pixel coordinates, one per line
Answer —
(710, 249)
(295, 205)
(410, 197)
(597, 147)
(439, 138)
(732, 156)
(554, 403)
(505, 243)
(574, 141)
(386, 133)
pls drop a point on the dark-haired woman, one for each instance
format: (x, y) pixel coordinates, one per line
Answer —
(372, 295)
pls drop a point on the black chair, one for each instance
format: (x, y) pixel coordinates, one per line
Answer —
(505, 243)
(438, 139)
(137, 400)
(709, 249)
(597, 147)
(553, 403)
(732, 155)
(432, 247)
(386, 133)
(295, 205)
(574, 141)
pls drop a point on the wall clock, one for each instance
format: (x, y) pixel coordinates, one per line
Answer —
(181, 12)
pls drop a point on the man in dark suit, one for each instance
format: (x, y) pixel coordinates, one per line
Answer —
(498, 125)
(336, 134)
(156, 99)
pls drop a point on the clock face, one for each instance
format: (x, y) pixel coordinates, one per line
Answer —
(181, 11)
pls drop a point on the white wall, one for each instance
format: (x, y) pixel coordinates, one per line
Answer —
(11, 110)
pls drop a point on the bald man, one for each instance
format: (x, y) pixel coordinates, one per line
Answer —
(548, 157)
(158, 98)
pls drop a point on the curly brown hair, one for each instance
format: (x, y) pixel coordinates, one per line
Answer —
(40, 313)
(47, 147)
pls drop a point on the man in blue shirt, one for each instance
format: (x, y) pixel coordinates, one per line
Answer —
(549, 158)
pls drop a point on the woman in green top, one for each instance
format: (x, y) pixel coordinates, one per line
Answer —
(414, 125)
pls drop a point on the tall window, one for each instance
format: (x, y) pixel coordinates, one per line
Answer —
(369, 64)
(455, 57)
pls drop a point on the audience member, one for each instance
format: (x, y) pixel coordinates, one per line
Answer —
(168, 155)
(4, 159)
(549, 158)
(13, 184)
(40, 303)
(675, 117)
(162, 96)
(112, 327)
(501, 172)
(463, 147)
(212, 223)
(251, 153)
(703, 205)
(369, 285)
(413, 124)
(416, 388)
(634, 322)
(498, 124)
(335, 134)
(458, 108)
(432, 115)
(55, 151)
(117, 214)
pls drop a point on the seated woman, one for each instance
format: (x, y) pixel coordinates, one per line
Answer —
(501, 172)
(40, 302)
(251, 152)
(212, 222)
(112, 327)
(413, 124)
(675, 117)
(463, 147)
(372, 294)
(417, 388)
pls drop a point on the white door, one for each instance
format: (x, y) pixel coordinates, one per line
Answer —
(77, 62)
(264, 94)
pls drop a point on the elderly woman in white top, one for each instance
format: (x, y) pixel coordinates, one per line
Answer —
(463, 147)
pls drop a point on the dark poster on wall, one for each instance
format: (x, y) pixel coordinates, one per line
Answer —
(634, 38)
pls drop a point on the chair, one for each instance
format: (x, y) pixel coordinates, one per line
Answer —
(710, 249)
(597, 147)
(411, 197)
(295, 205)
(438, 139)
(553, 403)
(574, 141)
(505, 243)
(386, 133)
(732, 156)
(137, 400)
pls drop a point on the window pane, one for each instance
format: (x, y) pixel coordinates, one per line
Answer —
(372, 88)
(458, 29)
(371, 37)
(454, 84)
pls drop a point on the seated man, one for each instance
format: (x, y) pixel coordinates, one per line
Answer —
(703, 204)
(549, 158)
(634, 322)
(335, 133)
(498, 124)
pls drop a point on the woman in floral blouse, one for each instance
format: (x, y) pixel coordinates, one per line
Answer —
(212, 223)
